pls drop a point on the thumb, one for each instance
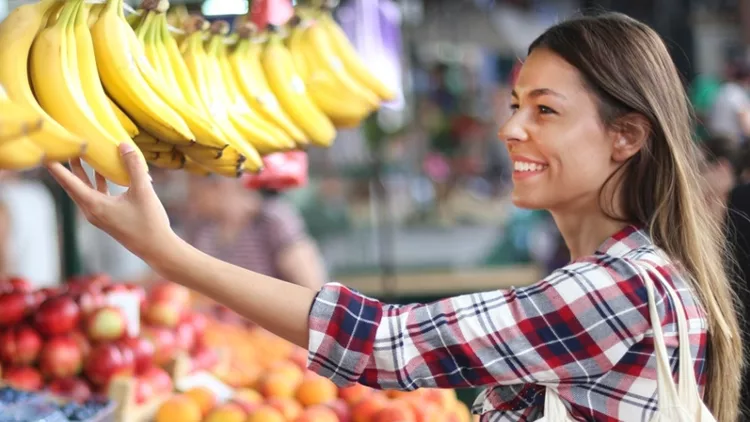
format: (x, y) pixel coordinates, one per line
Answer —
(135, 165)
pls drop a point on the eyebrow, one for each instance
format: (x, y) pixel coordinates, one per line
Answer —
(538, 92)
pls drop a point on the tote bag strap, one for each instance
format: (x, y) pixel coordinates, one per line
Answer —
(688, 385)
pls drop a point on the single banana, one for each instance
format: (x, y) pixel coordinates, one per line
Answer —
(56, 80)
(291, 92)
(351, 60)
(119, 69)
(94, 11)
(207, 155)
(231, 170)
(245, 64)
(20, 154)
(17, 33)
(294, 43)
(16, 121)
(195, 61)
(152, 155)
(106, 112)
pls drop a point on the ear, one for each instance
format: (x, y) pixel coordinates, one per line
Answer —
(631, 133)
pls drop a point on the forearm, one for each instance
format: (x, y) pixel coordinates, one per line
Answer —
(278, 306)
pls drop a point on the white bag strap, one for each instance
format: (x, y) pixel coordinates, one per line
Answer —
(688, 385)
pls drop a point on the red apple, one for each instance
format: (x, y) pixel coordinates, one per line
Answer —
(114, 288)
(164, 313)
(159, 379)
(106, 361)
(90, 300)
(82, 341)
(143, 390)
(20, 345)
(172, 292)
(61, 357)
(14, 306)
(72, 388)
(203, 359)
(23, 378)
(15, 284)
(58, 315)
(185, 336)
(341, 409)
(164, 341)
(107, 323)
(198, 321)
(143, 351)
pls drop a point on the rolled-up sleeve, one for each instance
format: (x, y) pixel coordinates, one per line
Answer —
(578, 322)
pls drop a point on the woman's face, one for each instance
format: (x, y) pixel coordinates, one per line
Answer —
(562, 154)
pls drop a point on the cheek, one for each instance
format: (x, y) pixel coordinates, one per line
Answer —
(584, 168)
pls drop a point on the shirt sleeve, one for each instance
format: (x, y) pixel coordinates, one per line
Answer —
(576, 323)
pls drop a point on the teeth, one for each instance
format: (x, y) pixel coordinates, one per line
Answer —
(526, 166)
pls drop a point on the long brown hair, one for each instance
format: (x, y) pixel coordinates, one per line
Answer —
(627, 66)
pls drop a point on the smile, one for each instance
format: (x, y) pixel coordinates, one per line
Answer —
(525, 166)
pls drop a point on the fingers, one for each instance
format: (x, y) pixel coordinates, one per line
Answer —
(77, 168)
(136, 167)
(101, 184)
(80, 191)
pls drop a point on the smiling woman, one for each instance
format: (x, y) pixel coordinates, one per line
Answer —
(600, 136)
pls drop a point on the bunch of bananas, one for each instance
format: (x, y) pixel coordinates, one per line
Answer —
(204, 99)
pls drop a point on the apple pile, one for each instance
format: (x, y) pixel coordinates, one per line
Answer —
(70, 341)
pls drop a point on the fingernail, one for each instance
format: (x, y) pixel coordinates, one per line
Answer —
(126, 148)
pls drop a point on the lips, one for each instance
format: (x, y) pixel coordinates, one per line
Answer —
(526, 166)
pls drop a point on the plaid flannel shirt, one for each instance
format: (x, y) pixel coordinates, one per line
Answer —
(584, 331)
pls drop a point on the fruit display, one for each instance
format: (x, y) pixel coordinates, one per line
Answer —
(204, 98)
(24, 406)
(72, 342)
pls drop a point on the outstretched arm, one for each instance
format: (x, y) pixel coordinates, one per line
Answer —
(577, 323)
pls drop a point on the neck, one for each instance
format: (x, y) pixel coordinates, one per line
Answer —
(585, 232)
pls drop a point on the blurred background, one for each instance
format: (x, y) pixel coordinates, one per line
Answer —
(413, 205)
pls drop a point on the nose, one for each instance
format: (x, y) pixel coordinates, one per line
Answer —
(513, 130)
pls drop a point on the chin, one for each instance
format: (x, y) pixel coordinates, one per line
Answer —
(526, 201)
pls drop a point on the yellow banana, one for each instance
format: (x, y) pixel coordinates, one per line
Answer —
(230, 170)
(56, 80)
(207, 155)
(94, 11)
(119, 66)
(174, 160)
(244, 63)
(195, 168)
(195, 61)
(158, 147)
(294, 43)
(290, 90)
(145, 138)
(206, 131)
(105, 112)
(123, 118)
(329, 84)
(20, 154)
(265, 136)
(17, 33)
(350, 59)
(16, 121)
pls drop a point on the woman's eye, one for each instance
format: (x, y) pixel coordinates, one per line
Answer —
(513, 108)
(546, 110)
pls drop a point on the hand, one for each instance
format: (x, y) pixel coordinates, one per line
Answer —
(136, 218)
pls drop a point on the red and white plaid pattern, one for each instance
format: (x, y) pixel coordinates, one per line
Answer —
(583, 331)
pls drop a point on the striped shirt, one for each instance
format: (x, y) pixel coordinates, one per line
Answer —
(257, 245)
(583, 331)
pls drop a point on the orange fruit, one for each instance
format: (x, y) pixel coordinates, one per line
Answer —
(178, 408)
(203, 397)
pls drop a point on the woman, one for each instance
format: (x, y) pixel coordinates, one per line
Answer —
(601, 137)
(255, 230)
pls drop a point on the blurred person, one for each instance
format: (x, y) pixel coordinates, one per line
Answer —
(602, 141)
(730, 112)
(256, 230)
(718, 170)
(33, 243)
